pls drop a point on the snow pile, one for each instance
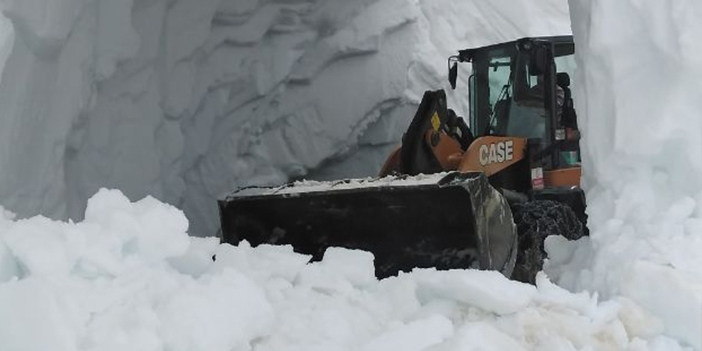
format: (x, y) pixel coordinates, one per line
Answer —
(129, 278)
(312, 186)
(187, 100)
(639, 96)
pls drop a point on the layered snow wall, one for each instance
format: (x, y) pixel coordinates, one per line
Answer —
(187, 100)
(639, 97)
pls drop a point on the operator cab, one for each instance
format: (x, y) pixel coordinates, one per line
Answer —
(522, 89)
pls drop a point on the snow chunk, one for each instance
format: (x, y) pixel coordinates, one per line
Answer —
(33, 318)
(480, 336)
(264, 262)
(224, 312)
(417, 335)
(487, 290)
(155, 229)
(340, 270)
(672, 297)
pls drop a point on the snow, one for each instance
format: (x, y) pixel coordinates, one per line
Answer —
(129, 277)
(312, 186)
(188, 100)
(641, 158)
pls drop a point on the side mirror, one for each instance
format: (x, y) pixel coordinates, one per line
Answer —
(453, 72)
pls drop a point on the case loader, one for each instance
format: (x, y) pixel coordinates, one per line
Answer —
(483, 194)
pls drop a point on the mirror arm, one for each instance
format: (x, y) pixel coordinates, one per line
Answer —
(453, 71)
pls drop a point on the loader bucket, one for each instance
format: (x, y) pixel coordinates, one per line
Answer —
(447, 221)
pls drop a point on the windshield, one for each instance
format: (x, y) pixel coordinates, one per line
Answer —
(501, 73)
(524, 119)
(528, 117)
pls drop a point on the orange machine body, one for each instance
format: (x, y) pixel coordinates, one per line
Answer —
(488, 154)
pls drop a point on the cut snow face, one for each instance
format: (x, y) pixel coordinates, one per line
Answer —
(638, 93)
(187, 100)
(130, 278)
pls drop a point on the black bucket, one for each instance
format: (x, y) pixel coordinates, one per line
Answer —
(444, 221)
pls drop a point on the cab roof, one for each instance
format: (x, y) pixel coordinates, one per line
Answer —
(563, 45)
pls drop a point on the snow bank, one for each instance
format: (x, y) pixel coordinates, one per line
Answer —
(129, 277)
(639, 96)
(186, 100)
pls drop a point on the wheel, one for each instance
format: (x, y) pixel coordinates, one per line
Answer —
(535, 221)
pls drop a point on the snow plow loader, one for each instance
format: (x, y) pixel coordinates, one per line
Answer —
(451, 196)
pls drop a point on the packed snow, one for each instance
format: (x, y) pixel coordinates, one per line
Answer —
(639, 95)
(130, 278)
(141, 95)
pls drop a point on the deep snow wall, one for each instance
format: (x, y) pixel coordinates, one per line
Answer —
(186, 100)
(639, 97)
